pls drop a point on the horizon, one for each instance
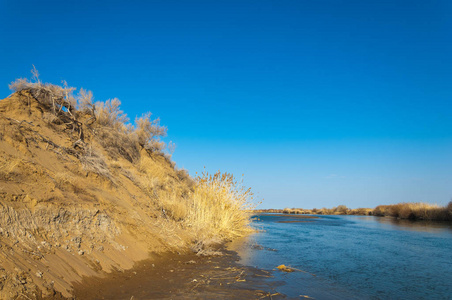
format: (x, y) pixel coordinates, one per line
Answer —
(317, 104)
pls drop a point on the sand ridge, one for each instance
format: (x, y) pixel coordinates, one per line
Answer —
(61, 221)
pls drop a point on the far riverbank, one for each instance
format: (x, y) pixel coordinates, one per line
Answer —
(410, 211)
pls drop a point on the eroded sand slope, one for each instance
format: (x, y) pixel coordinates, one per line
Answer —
(70, 206)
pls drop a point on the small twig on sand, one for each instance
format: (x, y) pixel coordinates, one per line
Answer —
(196, 285)
(22, 295)
(268, 276)
(268, 294)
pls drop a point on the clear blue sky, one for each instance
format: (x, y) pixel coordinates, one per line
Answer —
(318, 103)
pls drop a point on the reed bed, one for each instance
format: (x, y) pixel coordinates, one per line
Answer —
(416, 211)
(218, 208)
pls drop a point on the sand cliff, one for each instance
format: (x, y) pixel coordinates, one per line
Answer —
(76, 201)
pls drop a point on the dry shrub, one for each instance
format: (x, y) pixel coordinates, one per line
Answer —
(21, 84)
(341, 210)
(126, 139)
(149, 132)
(183, 176)
(85, 102)
(55, 97)
(171, 147)
(118, 143)
(381, 210)
(109, 114)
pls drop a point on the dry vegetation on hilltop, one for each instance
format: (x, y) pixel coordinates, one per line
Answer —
(84, 191)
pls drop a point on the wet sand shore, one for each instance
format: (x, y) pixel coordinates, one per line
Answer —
(172, 276)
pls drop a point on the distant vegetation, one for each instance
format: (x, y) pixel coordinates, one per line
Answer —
(416, 211)
(411, 211)
(340, 210)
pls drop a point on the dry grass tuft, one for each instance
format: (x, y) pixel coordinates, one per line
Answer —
(219, 207)
(66, 181)
(93, 161)
(156, 176)
(173, 205)
(157, 179)
(216, 209)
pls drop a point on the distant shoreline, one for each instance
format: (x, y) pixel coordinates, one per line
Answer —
(409, 211)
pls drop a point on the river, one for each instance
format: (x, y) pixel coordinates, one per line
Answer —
(352, 257)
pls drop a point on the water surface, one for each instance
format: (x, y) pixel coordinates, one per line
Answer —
(353, 257)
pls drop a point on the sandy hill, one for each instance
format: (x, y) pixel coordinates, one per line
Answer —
(82, 192)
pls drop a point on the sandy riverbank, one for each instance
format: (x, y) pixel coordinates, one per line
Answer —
(172, 276)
